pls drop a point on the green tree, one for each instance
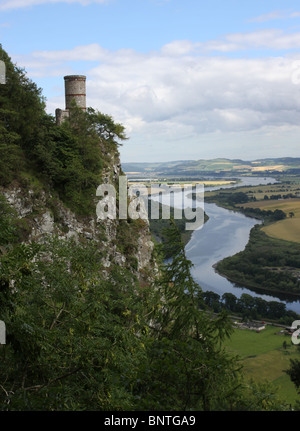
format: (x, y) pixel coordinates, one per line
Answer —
(294, 372)
(186, 366)
(72, 336)
(253, 396)
(284, 345)
(230, 301)
(105, 127)
(22, 104)
(68, 158)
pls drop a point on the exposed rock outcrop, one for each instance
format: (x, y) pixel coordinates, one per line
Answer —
(44, 214)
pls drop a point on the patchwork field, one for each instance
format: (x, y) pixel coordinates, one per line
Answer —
(268, 190)
(279, 168)
(153, 186)
(264, 358)
(219, 165)
(287, 229)
(207, 183)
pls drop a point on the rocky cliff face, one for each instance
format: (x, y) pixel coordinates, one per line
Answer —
(43, 213)
(43, 166)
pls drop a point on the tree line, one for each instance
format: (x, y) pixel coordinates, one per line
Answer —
(266, 264)
(250, 307)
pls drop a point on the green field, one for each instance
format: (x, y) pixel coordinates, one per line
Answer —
(264, 358)
(287, 229)
(286, 165)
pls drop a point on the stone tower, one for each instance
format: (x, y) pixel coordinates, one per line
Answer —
(75, 89)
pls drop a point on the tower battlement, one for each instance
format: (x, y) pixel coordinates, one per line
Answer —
(75, 89)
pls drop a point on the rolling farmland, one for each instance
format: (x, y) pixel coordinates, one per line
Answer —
(287, 229)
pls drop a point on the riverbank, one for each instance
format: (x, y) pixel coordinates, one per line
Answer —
(255, 288)
(230, 227)
(268, 265)
(287, 229)
(225, 233)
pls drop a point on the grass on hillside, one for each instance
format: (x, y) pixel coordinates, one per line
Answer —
(180, 183)
(260, 191)
(287, 229)
(218, 165)
(264, 358)
(264, 168)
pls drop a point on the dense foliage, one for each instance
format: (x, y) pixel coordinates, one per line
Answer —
(266, 263)
(250, 307)
(159, 227)
(68, 158)
(268, 216)
(77, 340)
(21, 107)
(231, 199)
(294, 373)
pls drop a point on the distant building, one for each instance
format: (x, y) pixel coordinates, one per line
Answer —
(75, 89)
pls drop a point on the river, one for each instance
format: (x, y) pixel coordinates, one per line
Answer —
(224, 234)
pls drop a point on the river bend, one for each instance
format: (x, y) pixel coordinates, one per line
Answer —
(224, 234)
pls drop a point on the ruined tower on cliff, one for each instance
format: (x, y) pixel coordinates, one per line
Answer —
(75, 89)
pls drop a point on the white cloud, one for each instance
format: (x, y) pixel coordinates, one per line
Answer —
(176, 95)
(279, 14)
(90, 52)
(178, 48)
(269, 16)
(17, 4)
(266, 39)
(274, 39)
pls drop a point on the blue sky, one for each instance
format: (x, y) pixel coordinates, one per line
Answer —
(188, 79)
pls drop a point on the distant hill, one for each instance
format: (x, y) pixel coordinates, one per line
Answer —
(219, 166)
